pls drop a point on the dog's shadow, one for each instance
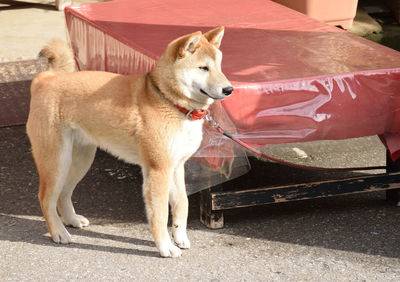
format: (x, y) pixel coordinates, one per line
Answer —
(36, 233)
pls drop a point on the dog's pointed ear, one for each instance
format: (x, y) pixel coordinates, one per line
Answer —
(189, 44)
(215, 35)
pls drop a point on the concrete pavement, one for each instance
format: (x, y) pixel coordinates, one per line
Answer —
(351, 238)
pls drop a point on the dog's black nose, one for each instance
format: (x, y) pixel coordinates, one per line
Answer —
(227, 90)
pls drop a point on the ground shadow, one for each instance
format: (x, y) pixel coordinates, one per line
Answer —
(363, 223)
(34, 232)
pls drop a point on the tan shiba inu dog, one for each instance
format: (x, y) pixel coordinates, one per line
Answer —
(142, 119)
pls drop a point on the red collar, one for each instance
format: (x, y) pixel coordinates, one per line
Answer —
(194, 114)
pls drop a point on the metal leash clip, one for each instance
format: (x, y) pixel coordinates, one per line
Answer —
(211, 121)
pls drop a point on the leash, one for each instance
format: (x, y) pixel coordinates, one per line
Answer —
(215, 125)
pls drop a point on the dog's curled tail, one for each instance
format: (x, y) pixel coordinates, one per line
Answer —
(59, 55)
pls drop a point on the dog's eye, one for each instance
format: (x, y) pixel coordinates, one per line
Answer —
(204, 68)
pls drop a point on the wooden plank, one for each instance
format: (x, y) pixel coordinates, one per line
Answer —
(209, 217)
(245, 198)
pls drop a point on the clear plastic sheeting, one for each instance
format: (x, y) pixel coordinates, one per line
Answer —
(295, 79)
(218, 158)
(199, 176)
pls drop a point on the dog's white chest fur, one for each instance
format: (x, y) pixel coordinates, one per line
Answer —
(187, 140)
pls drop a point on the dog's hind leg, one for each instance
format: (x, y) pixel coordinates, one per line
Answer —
(53, 164)
(179, 206)
(82, 159)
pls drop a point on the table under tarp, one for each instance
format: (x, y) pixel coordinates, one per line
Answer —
(295, 79)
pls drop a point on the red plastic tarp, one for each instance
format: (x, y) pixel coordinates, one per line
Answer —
(295, 79)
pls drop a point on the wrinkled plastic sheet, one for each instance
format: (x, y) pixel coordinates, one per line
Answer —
(295, 79)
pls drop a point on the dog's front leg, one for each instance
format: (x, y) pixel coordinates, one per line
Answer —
(155, 189)
(179, 207)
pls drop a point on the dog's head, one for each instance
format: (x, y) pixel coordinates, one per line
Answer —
(191, 67)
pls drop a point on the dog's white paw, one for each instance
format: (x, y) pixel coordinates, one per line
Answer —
(181, 239)
(61, 236)
(183, 244)
(77, 221)
(169, 250)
